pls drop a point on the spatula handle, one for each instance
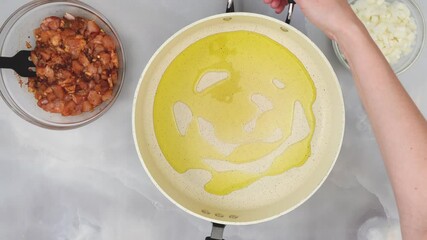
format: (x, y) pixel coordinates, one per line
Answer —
(6, 62)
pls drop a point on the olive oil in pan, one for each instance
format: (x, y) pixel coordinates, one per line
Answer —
(238, 105)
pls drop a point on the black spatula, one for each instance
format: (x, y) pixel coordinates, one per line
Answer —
(21, 63)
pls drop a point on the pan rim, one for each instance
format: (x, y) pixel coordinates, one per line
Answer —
(341, 127)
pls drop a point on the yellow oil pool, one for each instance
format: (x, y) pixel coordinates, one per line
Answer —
(238, 105)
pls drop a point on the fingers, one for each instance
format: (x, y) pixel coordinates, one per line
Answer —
(277, 5)
(281, 6)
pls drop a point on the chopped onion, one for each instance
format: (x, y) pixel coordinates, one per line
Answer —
(390, 24)
(69, 17)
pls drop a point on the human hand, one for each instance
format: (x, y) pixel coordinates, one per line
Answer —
(331, 16)
(277, 5)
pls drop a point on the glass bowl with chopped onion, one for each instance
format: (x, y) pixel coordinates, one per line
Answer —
(79, 58)
(397, 27)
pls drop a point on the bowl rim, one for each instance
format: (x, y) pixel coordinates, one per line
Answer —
(44, 123)
(416, 6)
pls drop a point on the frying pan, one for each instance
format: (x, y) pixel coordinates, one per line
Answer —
(271, 196)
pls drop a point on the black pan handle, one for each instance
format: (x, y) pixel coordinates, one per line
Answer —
(217, 232)
(230, 6)
(291, 7)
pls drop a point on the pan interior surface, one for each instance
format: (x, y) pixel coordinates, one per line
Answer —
(212, 146)
(223, 106)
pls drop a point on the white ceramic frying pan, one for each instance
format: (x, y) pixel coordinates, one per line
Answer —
(266, 197)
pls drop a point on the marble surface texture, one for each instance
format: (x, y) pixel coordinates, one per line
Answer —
(88, 183)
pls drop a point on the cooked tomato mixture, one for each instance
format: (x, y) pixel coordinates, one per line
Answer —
(76, 65)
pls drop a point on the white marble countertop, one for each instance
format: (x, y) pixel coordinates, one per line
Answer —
(88, 183)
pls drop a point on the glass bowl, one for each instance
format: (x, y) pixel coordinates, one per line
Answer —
(407, 60)
(17, 32)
